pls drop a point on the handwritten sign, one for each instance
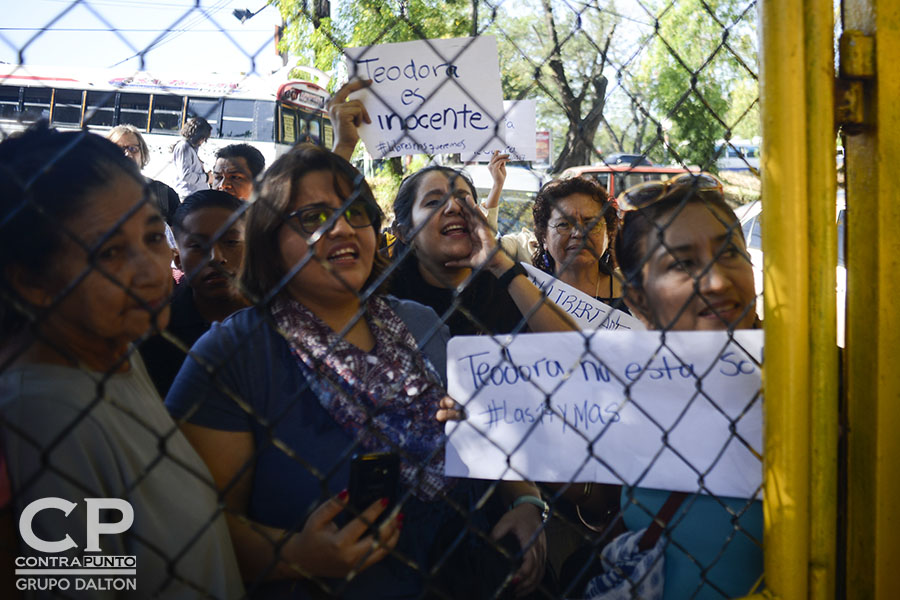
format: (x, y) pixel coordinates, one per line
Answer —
(586, 311)
(430, 96)
(610, 407)
(521, 139)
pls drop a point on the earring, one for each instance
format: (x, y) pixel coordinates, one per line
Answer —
(546, 259)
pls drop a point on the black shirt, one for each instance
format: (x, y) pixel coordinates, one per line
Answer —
(162, 357)
(482, 307)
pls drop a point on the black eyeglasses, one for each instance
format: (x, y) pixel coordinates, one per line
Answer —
(130, 149)
(645, 194)
(312, 218)
(566, 227)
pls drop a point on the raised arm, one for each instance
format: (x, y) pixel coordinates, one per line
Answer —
(542, 315)
(346, 117)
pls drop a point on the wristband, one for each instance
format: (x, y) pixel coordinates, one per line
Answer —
(514, 271)
(542, 506)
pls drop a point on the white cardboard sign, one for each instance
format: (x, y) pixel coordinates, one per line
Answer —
(610, 406)
(521, 138)
(587, 312)
(430, 96)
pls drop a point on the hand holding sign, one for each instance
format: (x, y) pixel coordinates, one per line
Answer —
(619, 408)
(347, 116)
(430, 96)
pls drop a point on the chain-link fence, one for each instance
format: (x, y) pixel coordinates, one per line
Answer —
(300, 338)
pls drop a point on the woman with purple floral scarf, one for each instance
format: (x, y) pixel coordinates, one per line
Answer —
(277, 398)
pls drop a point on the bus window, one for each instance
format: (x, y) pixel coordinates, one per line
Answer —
(288, 126)
(166, 113)
(9, 102)
(315, 132)
(101, 109)
(264, 120)
(328, 134)
(67, 107)
(248, 119)
(133, 109)
(237, 119)
(37, 104)
(208, 108)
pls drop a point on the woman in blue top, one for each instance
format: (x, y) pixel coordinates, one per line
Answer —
(686, 268)
(278, 398)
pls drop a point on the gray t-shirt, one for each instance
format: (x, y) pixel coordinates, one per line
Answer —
(74, 434)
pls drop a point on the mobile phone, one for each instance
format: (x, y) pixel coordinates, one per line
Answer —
(372, 477)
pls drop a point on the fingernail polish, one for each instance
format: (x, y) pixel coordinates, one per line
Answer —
(400, 517)
(384, 502)
(343, 495)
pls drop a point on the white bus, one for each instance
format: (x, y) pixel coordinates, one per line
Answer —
(269, 114)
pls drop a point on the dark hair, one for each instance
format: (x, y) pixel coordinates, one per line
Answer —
(406, 198)
(205, 199)
(120, 130)
(549, 197)
(45, 178)
(256, 162)
(196, 129)
(638, 225)
(263, 269)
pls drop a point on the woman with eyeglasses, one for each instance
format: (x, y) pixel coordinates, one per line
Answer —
(278, 398)
(685, 263)
(130, 140)
(575, 225)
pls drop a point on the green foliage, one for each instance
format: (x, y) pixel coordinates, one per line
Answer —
(699, 76)
(369, 22)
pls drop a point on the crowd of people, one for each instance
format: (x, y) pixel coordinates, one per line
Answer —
(222, 384)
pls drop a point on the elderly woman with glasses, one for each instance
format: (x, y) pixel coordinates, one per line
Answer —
(130, 140)
(279, 397)
(575, 225)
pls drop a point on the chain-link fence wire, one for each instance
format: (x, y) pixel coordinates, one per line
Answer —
(277, 417)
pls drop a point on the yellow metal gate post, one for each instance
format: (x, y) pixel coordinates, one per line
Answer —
(799, 244)
(873, 327)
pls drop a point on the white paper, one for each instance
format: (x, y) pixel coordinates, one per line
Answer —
(560, 407)
(430, 96)
(521, 139)
(586, 311)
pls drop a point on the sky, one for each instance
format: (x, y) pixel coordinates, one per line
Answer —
(183, 36)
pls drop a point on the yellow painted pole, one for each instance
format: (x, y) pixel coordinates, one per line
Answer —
(785, 249)
(823, 362)
(873, 326)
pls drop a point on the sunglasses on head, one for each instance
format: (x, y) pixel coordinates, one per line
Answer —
(645, 194)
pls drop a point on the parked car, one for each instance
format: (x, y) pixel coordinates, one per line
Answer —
(749, 216)
(618, 178)
(632, 160)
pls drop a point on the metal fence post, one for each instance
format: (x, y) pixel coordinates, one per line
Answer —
(873, 328)
(801, 356)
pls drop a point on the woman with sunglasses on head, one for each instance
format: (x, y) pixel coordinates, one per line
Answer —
(323, 367)
(686, 268)
(575, 225)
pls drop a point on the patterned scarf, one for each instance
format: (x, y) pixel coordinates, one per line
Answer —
(386, 398)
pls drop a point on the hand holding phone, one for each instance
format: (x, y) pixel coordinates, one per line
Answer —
(372, 477)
